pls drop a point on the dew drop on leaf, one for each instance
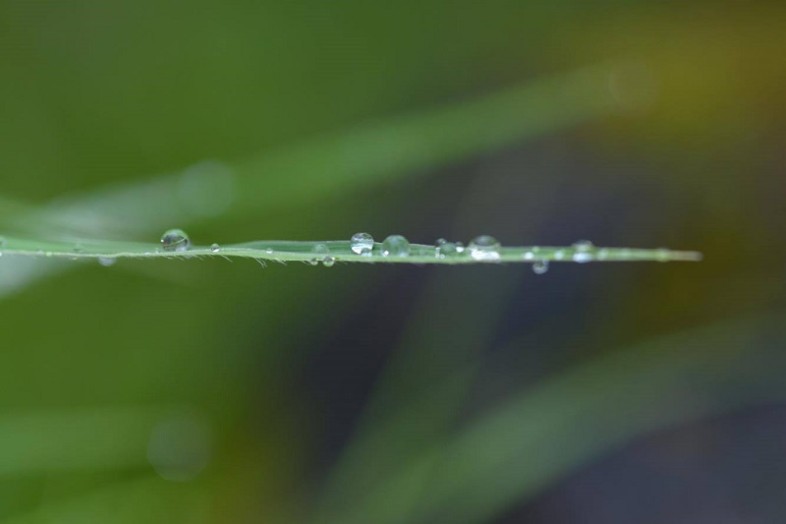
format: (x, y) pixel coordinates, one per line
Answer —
(484, 247)
(540, 266)
(447, 249)
(175, 240)
(361, 243)
(395, 246)
(583, 251)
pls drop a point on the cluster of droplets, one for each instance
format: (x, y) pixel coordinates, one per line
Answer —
(393, 245)
(483, 248)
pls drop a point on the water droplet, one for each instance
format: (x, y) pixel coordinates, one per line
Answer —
(540, 266)
(175, 240)
(484, 247)
(215, 248)
(328, 261)
(447, 249)
(107, 261)
(584, 251)
(361, 243)
(322, 250)
(529, 255)
(395, 246)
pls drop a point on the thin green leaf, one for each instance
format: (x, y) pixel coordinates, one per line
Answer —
(336, 251)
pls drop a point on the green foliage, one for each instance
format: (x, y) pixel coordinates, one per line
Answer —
(166, 390)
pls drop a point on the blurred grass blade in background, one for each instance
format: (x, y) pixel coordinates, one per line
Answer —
(544, 432)
(107, 438)
(147, 499)
(345, 162)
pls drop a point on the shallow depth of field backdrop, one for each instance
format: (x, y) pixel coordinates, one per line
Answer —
(214, 391)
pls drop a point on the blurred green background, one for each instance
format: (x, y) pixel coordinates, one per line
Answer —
(209, 391)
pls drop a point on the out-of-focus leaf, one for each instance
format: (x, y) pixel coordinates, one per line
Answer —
(543, 433)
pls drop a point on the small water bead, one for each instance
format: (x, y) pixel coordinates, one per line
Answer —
(584, 251)
(448, 249)
(175, 240)
(540, 266)
(395, 246)
(361, 243)
(323, 256)
(484, 247)
(107, 261)
(215, 248)
(439, 246)
(313, 262)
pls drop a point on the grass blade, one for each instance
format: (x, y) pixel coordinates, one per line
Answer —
(332, 251)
